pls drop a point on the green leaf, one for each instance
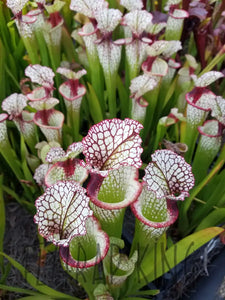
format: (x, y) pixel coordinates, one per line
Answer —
(124, 98)
(68, 46)
(50, 248)
(7, 268)
(152, 98)
(214, 218)
(2, 71)
(10, 23)
(41, 297)
(42, 47)
(24, 152)
(148, 293)
(2, 222)
(35, 282)
(12, 160)
(29, 206)
(221, 202)
(2, 219)
(135, 298)
(11, 74)
(170, 90)
(218, 58)
(94, 105)
(19, 290)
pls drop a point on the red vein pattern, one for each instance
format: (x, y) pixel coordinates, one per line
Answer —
(168, 175)
(112, 143)
(62, 212)
(41, 75)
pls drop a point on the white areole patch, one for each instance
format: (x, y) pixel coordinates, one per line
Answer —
(112, 143)
(168, 174)
(62, 212)
(41, 75)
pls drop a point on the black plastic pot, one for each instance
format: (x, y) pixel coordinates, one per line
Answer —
(201, 276)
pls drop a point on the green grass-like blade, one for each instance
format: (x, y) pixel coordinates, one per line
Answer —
(2, 222)
(2, 71)
(152, 98)
(94, 105)
(148, 293)
(42, 48)
(214, 218)
(35, 282)
(7, 268)
(135, 298)
(28, 205)
(24, 153)
(110, 80)
(40, 297)
(124, 98)
(19, 290)
(68, 46)
(3, 26)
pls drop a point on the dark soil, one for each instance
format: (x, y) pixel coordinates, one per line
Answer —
(21, 243)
